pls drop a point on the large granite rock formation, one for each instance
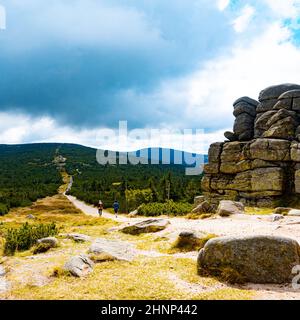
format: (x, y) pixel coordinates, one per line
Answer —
(259, 164)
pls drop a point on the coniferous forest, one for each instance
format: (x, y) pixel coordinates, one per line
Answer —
(29, 172)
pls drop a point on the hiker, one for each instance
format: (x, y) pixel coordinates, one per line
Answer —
(100, 208)
(116, 207)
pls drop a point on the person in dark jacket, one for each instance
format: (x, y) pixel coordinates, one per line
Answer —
(116, 207)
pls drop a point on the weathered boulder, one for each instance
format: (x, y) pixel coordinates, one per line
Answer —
(233, 152)
(79, 266)
(274, 92)
(244, 124)
(243, 107)
(294, 213)
(260, 164)
(50, 241)
(227, 208)
(256, 259)
(231, 136)
(77, 237)
(198, 200)
(270, 150)
(282, 129)
(267, 179)
(295, 152)
(204, 207)
(297, 181)
(266, 105)
(235, 167)
(214, 152)
(147, 226)
(247, 100)
(245, 113)
(109, 250)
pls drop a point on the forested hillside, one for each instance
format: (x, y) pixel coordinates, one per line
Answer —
(140, 183)
(27, 172)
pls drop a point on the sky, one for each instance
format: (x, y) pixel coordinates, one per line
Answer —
(71, 70)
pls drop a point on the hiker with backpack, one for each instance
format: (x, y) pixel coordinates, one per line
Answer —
(100, 208)
(116, 207)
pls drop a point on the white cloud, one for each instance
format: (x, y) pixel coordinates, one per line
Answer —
(19, 128)
(204, 99)
(241, 23)
(223, 4)
(285, 8)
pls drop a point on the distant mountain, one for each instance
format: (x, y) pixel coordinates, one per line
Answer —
(169, 156)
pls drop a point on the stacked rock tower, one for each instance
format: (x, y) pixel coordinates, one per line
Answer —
(259, 163)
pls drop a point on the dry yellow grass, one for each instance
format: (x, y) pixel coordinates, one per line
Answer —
(31, 277)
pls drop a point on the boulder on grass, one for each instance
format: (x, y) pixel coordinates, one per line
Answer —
(227, 208)
(79, 266)
(50, 241)
(109, 250)
(77, 237)
(147, 226)
(256, 259)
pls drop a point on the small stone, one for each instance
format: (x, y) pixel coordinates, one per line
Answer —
(276, 217)
(77, 237)
(294, 213)
(109, 250)
(79, 266)
(31, 217)
(147, 226)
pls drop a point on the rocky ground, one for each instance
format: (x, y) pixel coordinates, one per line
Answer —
(154, 270)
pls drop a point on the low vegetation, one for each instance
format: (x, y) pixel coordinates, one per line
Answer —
(26, 236)
(191, 244)
(167, 208)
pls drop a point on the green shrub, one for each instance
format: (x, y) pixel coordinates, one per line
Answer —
(136, 197)
(23, 238)
(168, 208)
(3, 209)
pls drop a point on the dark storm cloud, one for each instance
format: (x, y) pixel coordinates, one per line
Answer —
(92, 63)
